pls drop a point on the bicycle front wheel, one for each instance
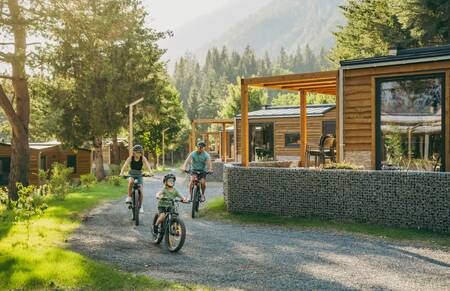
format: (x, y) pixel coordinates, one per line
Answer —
(136, 207)
(176, 235)
(195, 201)
(157, 236)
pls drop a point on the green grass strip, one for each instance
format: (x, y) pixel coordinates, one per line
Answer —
(46, 264)
(216, 209)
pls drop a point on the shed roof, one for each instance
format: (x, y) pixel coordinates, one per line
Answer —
(289, 111)
(402, 55)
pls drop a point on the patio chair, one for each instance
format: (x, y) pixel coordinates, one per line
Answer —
(326, 150)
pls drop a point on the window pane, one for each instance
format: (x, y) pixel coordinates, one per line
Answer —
(72, 162)
(292, 140)
(411, 123)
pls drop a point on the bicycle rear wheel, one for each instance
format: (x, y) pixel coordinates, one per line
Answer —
(176, 235)
(195, 201)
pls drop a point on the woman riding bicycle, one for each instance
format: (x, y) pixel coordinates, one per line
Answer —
(136, 162)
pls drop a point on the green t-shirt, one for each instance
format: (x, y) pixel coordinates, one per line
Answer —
(166, 193)
(199, 161)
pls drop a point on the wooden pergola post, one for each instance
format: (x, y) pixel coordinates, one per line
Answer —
(303, 129)
(223, 143)
(244, 125)
(193, 137)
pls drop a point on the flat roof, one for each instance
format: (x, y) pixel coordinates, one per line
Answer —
(402, 54)
(317, 82)
(289, 111)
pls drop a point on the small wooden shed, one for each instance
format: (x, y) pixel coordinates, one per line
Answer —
(42, 156)
(274, 131)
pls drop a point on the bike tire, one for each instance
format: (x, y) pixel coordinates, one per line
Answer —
(136, 208)
(195, 201)
(157, 238)
(198, 199)
(180, 233)
(133, 206)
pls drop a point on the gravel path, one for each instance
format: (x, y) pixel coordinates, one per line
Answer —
(231, 256)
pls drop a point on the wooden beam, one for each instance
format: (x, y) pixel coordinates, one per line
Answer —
(301, 83)
(213, 121)
(303, 129)
(338, 135)
(244, 125)
(223, 143)
(447, 121)
(193, 137)
(260, 81)
(373, 147)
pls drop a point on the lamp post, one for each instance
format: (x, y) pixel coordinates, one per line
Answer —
(163, 146)
(130, 124)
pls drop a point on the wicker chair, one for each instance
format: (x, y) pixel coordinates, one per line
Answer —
(326, 150)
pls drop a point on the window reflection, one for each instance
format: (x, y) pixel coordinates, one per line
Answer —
(411, 123)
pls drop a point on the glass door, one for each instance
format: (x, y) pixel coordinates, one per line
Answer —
(410, 123)
(261, 142)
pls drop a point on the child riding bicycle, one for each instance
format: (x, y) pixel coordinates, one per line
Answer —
(165, 196)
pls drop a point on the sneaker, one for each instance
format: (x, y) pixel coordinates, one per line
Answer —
(128, 200)
(202, 198)
(141, 210)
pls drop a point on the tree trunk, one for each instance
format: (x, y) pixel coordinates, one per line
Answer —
(155, 160)
(115, 159)
(99, 169)
(19, 118)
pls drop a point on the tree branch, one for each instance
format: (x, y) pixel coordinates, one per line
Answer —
(6, 77)
(7, 107)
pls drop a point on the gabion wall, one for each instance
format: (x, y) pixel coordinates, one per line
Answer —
(217, 176)
(401, 199)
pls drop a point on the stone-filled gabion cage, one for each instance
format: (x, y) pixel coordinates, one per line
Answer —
(387, 198)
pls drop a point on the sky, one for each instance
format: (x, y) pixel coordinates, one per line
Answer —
(172, 14)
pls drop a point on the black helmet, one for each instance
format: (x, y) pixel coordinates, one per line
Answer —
(201, 144)
(169, 176)
(137, 148)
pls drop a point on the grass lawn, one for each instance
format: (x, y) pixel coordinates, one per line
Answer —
(215, 209)
(47, 263)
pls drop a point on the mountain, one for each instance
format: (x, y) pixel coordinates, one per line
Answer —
(195, 34)
(284, 23)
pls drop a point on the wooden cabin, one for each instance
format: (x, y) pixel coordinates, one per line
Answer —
(392, 112)
(108, 151)
(274, 131)
(42, 156)
(396, 110)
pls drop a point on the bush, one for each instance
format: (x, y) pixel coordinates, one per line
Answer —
(30, 203)
(60, 180)
(114, 180)
(88, 180)
(114, 170)
(342, 166)
(4, 199)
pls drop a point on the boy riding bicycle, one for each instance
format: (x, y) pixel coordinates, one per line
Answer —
(200, 162)
(164, 198)
(136, 162)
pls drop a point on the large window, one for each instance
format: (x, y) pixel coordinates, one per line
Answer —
(329, 127)
(5, 163)
(292, 140)
(261, 141)
(410, 127)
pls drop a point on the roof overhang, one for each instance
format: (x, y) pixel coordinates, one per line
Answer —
(318, 82)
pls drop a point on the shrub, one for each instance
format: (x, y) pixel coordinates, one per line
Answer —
(88, 180)
(4, 199)
(60, 180)
(30, 203)
(114, 180)
(114, 170)
(342, 166)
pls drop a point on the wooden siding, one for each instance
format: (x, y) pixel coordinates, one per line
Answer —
(290, 125)
(359, 103)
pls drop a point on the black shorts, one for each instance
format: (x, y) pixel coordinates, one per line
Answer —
(200, 176)
(164, 209)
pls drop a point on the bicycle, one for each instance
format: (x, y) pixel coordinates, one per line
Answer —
(173, 228)
(195, 191)
(135, 205)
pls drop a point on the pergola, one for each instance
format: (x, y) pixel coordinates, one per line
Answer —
(319, 82)
(223, 138)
